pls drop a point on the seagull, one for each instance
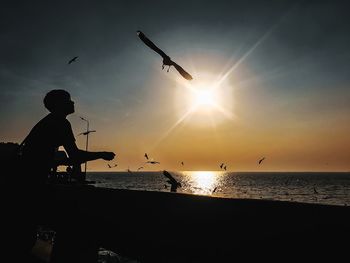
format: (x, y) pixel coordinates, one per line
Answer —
(174, 184)
(262, 159)
(146, 156)
(152, 162)
(72, 60)
(86, 133)
(166, 59)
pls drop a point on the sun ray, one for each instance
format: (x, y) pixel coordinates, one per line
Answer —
(183, 117)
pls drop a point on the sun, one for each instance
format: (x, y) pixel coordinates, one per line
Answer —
(203, 97)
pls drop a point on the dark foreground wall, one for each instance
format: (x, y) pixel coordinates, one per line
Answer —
(171, 227)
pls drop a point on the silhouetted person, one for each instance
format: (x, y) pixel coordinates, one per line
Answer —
(38, 152)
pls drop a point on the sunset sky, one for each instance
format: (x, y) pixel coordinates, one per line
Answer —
(270, 78)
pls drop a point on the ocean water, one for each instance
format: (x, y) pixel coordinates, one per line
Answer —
(308, 187)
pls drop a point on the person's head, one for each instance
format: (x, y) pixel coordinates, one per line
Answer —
(59, 101)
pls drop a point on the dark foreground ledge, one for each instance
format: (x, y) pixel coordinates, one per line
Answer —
(173, 227)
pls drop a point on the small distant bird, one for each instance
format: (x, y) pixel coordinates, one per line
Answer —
(146, 156)
(182, 163)
(138, 169)
(110, 166)
(153, 162)
(72, 60)
(214, 190)
(129, 171)
(172, 181)
(86, 133)
(225, 167)
(262, 159)
(221, 165)
(166, 59)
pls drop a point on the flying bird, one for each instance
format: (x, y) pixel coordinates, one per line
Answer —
(166, 59)
(225, 167)
(146, 156)
(138, 169)
(153, 162)
(110, 166)
(262, 159)
(221, 165)
(86, 133)
(72, 60)
(172, 181)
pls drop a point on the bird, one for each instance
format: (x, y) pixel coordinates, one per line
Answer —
(182, 163)
(166, 59)
(110, 166)
(72, 60)
(138, 169)
(214, 190)
(172, 181)
(146, 156)
(225, 167)
(86, 133)
(153, 162)
(221, 165)
(262, 159)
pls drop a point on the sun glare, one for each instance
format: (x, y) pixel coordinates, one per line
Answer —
(204, 98)
(200, 100)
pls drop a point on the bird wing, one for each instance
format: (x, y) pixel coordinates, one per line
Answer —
(183, 73)
(169, 176)
(150, 44)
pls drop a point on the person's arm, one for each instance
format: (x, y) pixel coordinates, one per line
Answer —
(79, 156)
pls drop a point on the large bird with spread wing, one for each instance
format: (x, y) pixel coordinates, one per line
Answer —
(166, 59)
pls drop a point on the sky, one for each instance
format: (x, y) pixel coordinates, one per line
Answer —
(270, 79)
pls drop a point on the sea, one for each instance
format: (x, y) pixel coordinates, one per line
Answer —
(307, 187)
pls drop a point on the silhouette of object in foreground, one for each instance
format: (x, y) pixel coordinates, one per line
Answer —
(262, 159)
(166, 59)
(172, 181)
(37, 161)
(72, 60)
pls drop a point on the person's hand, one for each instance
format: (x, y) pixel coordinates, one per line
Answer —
(107, 156)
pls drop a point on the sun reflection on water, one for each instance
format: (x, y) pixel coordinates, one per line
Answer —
(203, 182)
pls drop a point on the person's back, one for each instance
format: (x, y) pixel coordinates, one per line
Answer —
(40, 146)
